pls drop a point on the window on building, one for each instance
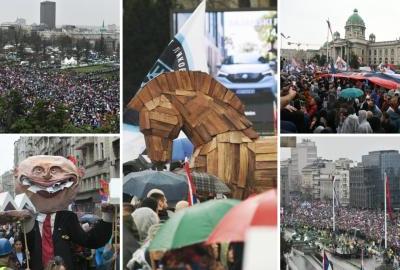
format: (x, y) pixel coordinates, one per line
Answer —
(370, 52)
(392, 51)
(386, 52)
(374, 52)
(102, 150)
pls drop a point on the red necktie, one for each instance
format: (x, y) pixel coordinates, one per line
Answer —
(47, 241)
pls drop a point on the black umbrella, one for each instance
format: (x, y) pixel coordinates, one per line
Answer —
(138, 184)
(207, 183)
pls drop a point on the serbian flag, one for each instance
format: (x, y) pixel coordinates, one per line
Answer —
(191, 186)
(326, 263)
(187, 51)
(104, 190)
(388, 198)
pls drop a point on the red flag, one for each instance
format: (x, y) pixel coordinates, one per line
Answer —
(192, 188)
(104, 190)
(388, 199)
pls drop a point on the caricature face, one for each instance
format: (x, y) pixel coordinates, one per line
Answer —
(51, 182)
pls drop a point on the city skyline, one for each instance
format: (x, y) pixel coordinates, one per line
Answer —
(85, 13)
(350, 147)
(311, 15)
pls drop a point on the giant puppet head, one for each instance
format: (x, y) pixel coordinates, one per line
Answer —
(51, 182)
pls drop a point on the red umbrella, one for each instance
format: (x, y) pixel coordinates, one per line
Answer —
(259, 210)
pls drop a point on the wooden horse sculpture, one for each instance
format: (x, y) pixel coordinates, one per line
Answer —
(212, 117)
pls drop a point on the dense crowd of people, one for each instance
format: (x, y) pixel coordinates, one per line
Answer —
(312, 103)
(368, 222)
(88, 97)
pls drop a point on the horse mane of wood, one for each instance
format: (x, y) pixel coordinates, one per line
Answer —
(212, 117)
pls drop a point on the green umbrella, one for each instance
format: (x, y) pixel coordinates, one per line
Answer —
(350, 93)
(191, 225)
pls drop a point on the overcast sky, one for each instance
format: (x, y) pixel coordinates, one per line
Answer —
(305, 20)
(7, 152)
(352, 147)
(76, 12)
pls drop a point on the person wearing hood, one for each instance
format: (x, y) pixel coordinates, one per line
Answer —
(364, 126)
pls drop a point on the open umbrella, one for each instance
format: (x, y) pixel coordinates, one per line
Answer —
(191, 225)
(207, 183)
(259, 210)
(138, 184)
(181, 148)
(89, 218)
(350, 93)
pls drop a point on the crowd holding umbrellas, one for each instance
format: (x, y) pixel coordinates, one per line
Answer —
(167, 228)
(319, 99)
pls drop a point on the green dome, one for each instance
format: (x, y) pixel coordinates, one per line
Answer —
(355, 19)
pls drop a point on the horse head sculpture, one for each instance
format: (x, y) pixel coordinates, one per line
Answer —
(209, 114)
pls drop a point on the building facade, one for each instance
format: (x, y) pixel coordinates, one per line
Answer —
(386, 161)
(7, 182)
(305, 153)
(370, 51)
(98, 156)
(48, 14)
(363, 187)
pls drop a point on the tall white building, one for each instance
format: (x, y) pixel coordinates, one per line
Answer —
(305, 153)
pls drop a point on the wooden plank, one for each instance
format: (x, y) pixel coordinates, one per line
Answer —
(185, 80)
(219, 91)
(161, 126)
(144, 95)
(235, 137)
(228, 96)
(152, 104)
(251, 133)
(203, 133)
(223, 137)
(237, 104)
(135, 104)
(265, 147)
(205, 83)
(144, 120)
(212, 163)
(185, 93)
(208, 147)
(222, 157)
(169, 119)
(266, 157)
(162, 82)
(266, 165)
(154, 89)
(170, 111)
(243, 165)
(172, 83)
(200, 161)
(179, 107)
(230, 162)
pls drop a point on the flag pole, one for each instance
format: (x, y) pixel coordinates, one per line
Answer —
(384, 183)
(327, 43)
(333, 206)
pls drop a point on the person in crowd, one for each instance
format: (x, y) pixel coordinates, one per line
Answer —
(18, 256)
(5, 253)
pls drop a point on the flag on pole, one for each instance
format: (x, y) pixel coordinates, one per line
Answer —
(326, 263)
(329, 27)
(191, 186)
(187, 51)
(388, 198)
(341, 64)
